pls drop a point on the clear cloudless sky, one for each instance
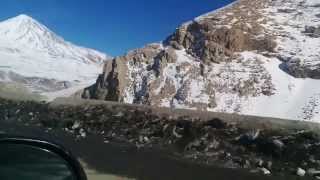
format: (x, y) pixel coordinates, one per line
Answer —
(111, 26)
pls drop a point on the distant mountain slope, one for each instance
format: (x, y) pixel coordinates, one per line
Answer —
(32, 55)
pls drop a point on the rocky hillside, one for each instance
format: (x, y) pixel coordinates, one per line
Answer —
(242, 58)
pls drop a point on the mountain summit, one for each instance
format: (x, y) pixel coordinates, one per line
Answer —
(256, 57)
(31, 54)
(29, 33)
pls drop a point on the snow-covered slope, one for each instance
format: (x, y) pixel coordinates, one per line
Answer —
(255, 57)
(35, 56)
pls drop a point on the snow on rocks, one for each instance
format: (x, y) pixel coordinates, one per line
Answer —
(301, 172)
(295, 30)
(253, 57)
(265, 171)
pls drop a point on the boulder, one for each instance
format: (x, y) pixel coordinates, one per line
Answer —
(312, 31)
(298, 68)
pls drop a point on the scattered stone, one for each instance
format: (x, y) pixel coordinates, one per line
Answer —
(265, 171)
(194, 144)
(301, 172)
(249, 137)
(278, 143)
(214, 144)
(175, 133)
(207, 143)
(146, 139)
(260, 162)
(82, 133)
(119, 114)
(312, 31)
(76, 125)
(253, 135)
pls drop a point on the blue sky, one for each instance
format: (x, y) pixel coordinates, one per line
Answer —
(111, 26)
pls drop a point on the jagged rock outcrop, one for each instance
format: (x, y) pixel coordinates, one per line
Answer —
(312, 31)
(212, 43)
(162, 60)
(306, 67)
(298, 68)
(180, 72)
(237, 59)
(111, 84)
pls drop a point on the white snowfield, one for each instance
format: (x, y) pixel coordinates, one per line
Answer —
(294, 98)
(30, 49)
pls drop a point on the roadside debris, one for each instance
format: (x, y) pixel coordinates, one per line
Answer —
(301, 172)
(212, 142)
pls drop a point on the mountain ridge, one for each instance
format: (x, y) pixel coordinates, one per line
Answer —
(238, 59)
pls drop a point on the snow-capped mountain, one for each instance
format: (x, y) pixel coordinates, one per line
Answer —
(255, 57)
(33, 55)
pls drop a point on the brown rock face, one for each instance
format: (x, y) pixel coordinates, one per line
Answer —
(212, 38)
(194, 65)
(213, 43)
(111, 83)
(162, 59)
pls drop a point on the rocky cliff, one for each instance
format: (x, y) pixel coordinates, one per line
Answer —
(237, 59)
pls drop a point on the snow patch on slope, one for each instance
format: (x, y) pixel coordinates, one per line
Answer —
(291, 99)
(289, 20)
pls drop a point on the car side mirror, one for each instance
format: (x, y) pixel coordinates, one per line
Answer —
(28, 159)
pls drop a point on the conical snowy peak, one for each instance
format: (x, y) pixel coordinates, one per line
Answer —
(25, 29)
(32, 54)
(22, 18)
(24, 32)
